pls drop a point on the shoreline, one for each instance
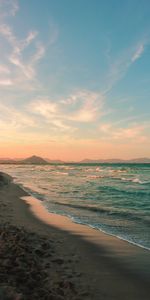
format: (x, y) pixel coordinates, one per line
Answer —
(86, 233)
(88, 225)
(110, 218)
(105, 266)
(80, 223)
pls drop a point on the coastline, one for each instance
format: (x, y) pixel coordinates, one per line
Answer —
(102, 266)
(29, 200)
(119, 247)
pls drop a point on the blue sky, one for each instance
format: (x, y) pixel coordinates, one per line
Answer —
(75, 78)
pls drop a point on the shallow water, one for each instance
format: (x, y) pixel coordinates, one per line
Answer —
(114, 198)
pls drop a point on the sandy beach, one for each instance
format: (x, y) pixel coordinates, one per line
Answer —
(47, 256)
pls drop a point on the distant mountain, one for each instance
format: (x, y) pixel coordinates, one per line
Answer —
(53, 161)
(88, 161)
(36, 160)
(142, 160)
(5, 158)
(7, 161)
(116, 160)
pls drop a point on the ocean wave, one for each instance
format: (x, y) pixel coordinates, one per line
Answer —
(94, 193)
(89, 170)
(67, 168)
(94, 176)
(112, 190)
(134, 215)
(61, 173)
(99, 169)
(109, 231)
(33, 193)
(117, 171)
(135, 180)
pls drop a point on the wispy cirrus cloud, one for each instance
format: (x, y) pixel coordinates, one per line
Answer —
(25, 67)
(84, 106)
(134, 132)
(14, 120)
(138, 53)
(4, 76)
(4, 69)
(21, 56)
(121, 65)
(8, 8)
(18, 125)
(19, 66)
(5, 82)
(80, 107)
(17, 45)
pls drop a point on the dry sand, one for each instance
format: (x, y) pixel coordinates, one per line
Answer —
(46, 256)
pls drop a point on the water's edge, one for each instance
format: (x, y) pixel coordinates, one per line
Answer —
(114, 200)
(74, 220)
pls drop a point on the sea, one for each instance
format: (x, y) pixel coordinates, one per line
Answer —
(113, 198)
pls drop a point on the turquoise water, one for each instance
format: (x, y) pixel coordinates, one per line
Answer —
(114, 198)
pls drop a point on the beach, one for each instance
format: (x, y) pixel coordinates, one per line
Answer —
(47, 256)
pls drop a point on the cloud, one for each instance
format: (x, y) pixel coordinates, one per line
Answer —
(22, 66)
(121, 65)
(24, 71)
(8, 8)
(17, 45)
(4, 69)
(44, 107)
(67, 115)
(4, 73)
(15, 124)
(21, 55)
(83, 107)
(51, 115)
(16, 58)
(62, 126)
(20, 125)
(15, 118)
(132, 133)
(5, 82)
(138, 53)
(30, 37)
(129, 133)
(6, 31)
(40, 51)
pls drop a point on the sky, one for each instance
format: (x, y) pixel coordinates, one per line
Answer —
(75, 79)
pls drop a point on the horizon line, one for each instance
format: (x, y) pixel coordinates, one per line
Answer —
(84, 159)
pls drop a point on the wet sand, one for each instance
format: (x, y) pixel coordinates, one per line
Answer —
(83, 263)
